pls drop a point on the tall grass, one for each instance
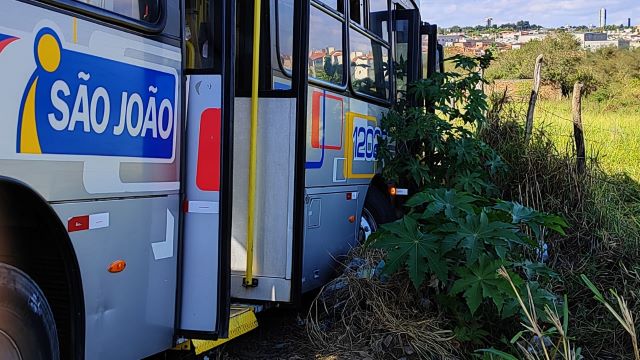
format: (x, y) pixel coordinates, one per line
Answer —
(612, 134)
(602, 206)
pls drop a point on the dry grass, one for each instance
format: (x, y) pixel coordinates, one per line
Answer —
(362, 317)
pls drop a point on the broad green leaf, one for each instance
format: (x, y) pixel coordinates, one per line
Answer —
(476, 230)
(407, 245)
(478, 282)
(418, 199)
(449, 201)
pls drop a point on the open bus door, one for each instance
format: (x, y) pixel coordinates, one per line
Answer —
(203, 306)
(432, 52)
(406, 33)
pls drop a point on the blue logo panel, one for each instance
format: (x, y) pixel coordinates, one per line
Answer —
(80, 104)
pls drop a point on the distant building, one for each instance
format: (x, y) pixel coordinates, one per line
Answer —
(448, 40)
(595, 41)
(528, 37)
(603, 17)
(596, 45)
(591, 36)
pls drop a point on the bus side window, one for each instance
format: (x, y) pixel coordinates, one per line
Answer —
(425, 55)
(401, 57)
(356, 11)
(147, 11)
(369, 59)
(379, 18)
(285, 35)
(198, 35)
(326, 58)
(337, 5)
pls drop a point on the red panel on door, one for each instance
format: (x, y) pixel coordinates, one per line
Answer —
(208, 171)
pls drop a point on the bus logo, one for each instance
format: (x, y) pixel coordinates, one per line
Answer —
(5, 40)
(81, 104)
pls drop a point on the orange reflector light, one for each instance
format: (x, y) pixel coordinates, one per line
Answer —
(352, 219)
(393, 191)
(117, 266)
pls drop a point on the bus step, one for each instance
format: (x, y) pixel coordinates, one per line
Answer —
(242, 320)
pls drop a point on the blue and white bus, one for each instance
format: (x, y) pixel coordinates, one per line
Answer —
(161, 160)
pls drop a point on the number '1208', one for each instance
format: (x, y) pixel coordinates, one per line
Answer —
(365, 141)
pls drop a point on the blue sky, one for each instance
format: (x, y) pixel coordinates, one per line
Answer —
(551, 13)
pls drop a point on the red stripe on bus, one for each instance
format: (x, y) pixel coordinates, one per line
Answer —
(208, 170)
(315, 120)
(316, 107)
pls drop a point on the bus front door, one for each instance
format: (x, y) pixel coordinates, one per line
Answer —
(204, 302)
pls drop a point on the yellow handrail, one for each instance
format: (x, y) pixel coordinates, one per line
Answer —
(253, 157)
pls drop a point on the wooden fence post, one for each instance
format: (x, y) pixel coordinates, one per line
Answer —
(578, 132)
(537, 79)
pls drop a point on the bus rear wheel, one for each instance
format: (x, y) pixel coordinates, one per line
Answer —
(377, 210)
(27, 327)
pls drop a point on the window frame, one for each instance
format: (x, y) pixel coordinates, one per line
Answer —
(215, 40)
(114, 18)
(357, 93)
(347, 86)
(283, 70)
(340, 17)
(368, 21)
(385, 44)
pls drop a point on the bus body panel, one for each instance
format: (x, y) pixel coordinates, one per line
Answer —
(129, 314)
(274, 203)
(59, 74)
(342, 140)
(90, 112)
(330, 231)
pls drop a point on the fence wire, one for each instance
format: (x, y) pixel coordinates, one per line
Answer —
(612, 138)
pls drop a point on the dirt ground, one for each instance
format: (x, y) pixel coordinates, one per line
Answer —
(281, 334)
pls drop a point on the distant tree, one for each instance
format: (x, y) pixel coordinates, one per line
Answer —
(562, 55)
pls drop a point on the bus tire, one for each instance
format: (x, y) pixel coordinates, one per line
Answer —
(377, 210)
(27, 327)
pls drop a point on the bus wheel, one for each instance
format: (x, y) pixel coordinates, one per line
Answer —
(377, 211)
(27, 327)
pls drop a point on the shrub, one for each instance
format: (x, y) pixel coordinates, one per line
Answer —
(454, 237)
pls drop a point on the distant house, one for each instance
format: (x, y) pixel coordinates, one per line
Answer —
(528, 37)
(362, 66)
(520, 37)
(594, 41)
(317, 59)
(591, 36)
(449, 40)
(596, 45)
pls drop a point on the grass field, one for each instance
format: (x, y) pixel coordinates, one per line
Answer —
(612, 135)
